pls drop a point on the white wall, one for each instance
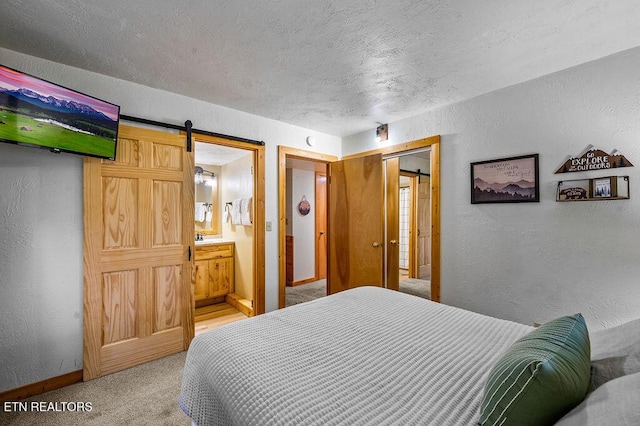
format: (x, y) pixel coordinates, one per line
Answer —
(41, 284)
(414, 163)
(40, 265)
(304, 227)
(536, 261)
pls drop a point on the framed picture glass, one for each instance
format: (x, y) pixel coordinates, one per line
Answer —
(506, 180)
(604, 187)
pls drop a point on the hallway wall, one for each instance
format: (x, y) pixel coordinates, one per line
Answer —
(303, 226)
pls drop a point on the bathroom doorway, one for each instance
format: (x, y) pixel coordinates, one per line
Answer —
(228, 278)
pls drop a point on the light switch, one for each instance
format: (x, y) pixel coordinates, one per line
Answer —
(268, 226)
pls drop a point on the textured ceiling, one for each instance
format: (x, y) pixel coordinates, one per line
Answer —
(338, 67)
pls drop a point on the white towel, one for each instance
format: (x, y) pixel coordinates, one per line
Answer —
(208, 216)
(201, 211)
(246, 211)
(235, 212)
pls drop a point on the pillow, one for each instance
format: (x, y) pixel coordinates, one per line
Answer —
(614, 403)
(541, 377)
(615, 352)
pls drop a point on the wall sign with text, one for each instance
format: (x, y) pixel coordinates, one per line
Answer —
(594, 159)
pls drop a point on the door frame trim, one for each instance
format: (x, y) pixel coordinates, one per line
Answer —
(434, 143)
(259, 212)
(285, 152)
(318, 185)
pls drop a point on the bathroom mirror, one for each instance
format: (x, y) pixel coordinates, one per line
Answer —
(206, 199)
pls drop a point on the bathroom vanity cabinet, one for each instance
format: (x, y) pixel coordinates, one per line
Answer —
(214, 269)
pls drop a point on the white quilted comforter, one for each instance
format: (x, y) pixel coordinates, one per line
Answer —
(366, 356)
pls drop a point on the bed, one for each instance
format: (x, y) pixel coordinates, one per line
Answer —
(365, 356)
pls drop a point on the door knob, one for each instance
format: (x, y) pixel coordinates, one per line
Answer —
(376, 244)
(393, 242)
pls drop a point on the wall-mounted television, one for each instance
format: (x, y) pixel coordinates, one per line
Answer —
(38, 113)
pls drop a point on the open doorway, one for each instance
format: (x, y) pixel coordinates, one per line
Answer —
(227, 231)
(414, 223)
(306, 225)
(303, 233)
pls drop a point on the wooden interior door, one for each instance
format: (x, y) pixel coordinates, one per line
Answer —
(392, 184)
(321, 225)
(355, 223)
(423, 213)
(138, 237)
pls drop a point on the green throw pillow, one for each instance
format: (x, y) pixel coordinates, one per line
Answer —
(542, 376)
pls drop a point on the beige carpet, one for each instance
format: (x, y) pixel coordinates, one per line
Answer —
(305, 292)
(420, 288)
(314, 290)
(143, 395)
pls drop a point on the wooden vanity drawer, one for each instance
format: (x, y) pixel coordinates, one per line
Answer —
(214, 251)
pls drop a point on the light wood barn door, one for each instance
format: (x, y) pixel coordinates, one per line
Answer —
(138, 237)
(355, 223)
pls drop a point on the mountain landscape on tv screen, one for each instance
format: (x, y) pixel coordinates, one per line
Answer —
(71, 113)
(51, 102)
(521, 190)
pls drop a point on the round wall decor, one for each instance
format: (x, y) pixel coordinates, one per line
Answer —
(304, 207)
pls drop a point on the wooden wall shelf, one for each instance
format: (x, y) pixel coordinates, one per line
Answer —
(595, 189)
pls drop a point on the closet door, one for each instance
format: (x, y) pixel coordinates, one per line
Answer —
(138, 238)
(355, 223)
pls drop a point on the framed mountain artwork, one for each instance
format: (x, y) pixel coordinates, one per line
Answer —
(506, 180)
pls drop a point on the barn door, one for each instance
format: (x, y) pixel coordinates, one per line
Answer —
(138, 237)
(355, 223)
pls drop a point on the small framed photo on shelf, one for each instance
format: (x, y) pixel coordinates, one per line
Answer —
(505, 180)
(604, 187)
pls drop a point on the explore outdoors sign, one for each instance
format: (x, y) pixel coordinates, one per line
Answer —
(594, 159)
